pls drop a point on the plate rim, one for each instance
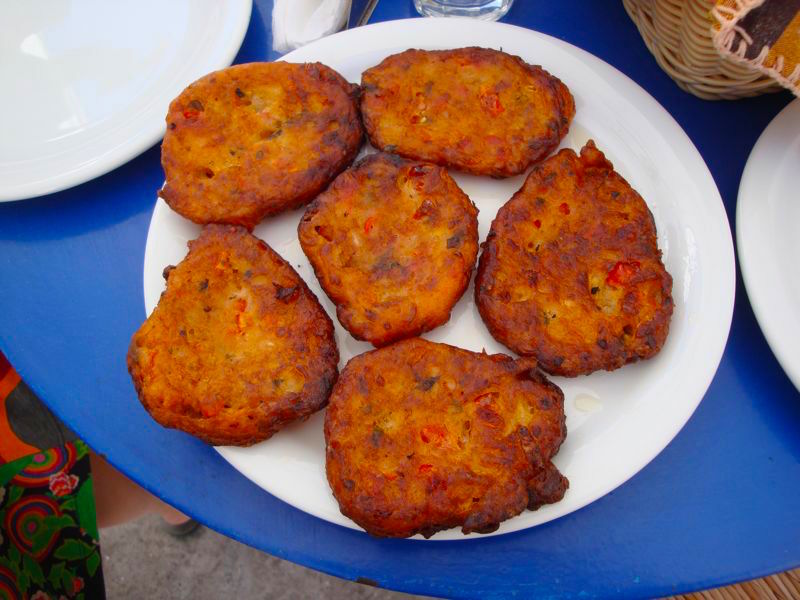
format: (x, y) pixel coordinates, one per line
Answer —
(704, 181)
(239, 13)
(748, 223)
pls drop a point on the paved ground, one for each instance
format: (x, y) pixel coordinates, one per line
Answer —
(142, 561)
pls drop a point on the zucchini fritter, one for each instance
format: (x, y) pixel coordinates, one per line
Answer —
(473, 109)
(422, 437)
(571, 273)
(237, 347)
(393, 244)
(253, 140)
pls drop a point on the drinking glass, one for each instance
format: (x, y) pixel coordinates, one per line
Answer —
(488, 10)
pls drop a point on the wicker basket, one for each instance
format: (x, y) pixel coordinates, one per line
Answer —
(678, 33)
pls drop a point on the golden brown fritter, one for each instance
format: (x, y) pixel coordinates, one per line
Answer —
(422, 437)
(237, 347)
(571, 273)
(253, 140)
(393, 244)
(473, 109)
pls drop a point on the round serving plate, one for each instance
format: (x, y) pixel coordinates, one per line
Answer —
(617, 422)
(767, 214)
(88, 82)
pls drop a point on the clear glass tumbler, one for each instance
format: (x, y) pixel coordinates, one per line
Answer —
(488, 10)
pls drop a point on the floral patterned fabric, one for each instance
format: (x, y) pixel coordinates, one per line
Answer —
(48, 528)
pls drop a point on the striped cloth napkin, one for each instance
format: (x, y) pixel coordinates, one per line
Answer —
(764, 34)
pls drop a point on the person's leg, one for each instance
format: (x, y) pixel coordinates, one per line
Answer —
(119, 500)
(27, 426)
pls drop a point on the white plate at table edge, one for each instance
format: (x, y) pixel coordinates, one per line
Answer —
(626, 429)
(113, 141)
(767, 214)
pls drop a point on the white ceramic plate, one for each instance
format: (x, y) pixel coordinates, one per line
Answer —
(767, 221)
(617, 421)
(86, 83)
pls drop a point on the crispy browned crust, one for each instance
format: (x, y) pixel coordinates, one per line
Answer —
(571, 273)
(473, 109)
(238, 346)
(393, 244)
(256, 139)
(422, 437)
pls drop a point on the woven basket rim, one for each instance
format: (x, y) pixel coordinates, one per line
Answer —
(679, 35)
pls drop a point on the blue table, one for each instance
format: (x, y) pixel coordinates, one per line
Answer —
(719, 505)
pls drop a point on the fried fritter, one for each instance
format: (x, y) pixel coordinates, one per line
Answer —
(238, 346)
(473, 109)
(571, 273)
(422, 437)
(393, 244)
(253, 140)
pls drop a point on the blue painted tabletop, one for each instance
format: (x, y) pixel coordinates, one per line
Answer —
(718, 505)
